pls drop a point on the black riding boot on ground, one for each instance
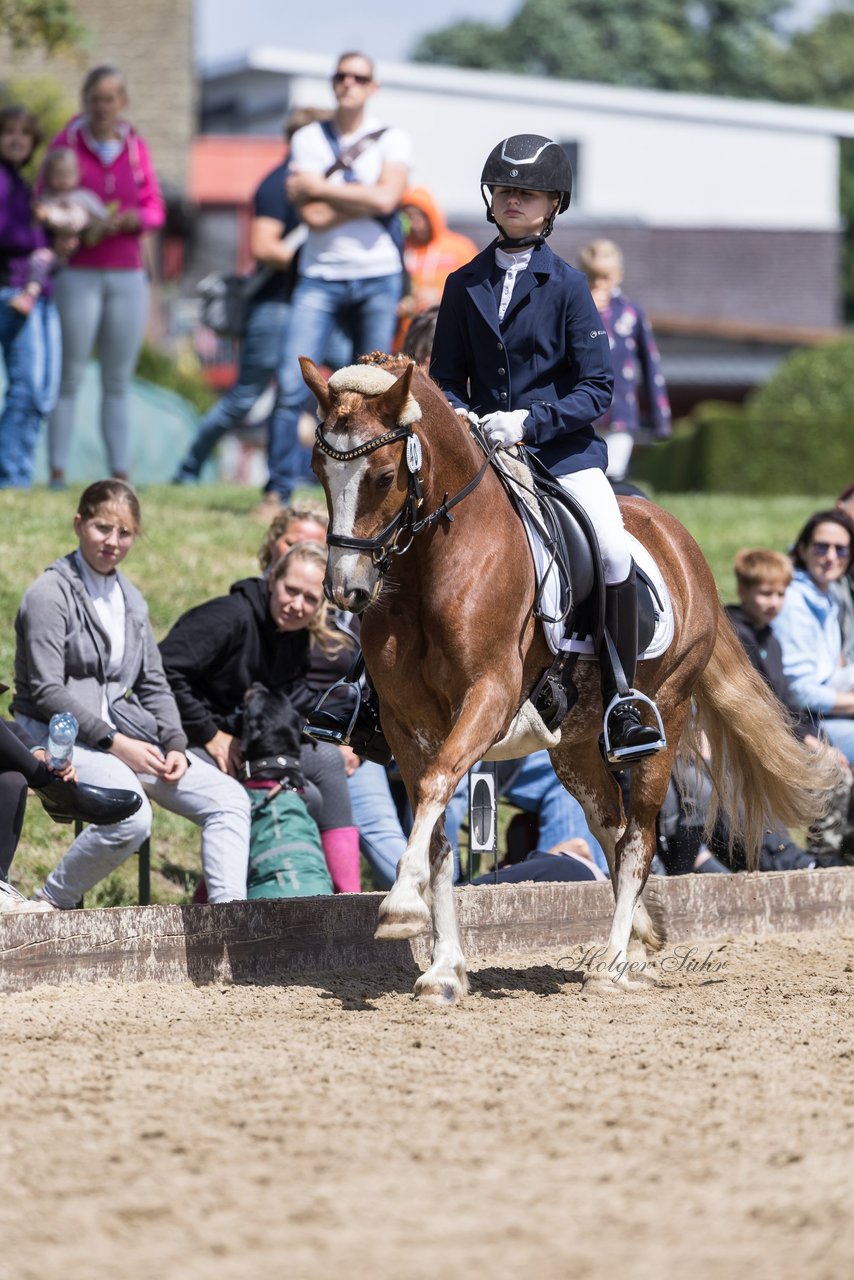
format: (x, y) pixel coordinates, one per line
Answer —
(627, 740)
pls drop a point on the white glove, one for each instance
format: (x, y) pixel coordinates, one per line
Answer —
(505, 428)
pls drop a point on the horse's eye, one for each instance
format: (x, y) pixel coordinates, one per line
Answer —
(385, 480)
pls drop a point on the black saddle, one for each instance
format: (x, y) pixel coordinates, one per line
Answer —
(571, 544)
(571, 541)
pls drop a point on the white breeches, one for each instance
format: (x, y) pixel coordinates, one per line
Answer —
(619, 445)
(592, 490)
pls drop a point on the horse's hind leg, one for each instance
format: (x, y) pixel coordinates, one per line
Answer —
(632, 929)
(445, 982)
(628, 847)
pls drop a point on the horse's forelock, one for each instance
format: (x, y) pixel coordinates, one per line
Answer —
(346, 419)
(347, 404)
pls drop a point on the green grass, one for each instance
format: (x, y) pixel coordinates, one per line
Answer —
(196, 542)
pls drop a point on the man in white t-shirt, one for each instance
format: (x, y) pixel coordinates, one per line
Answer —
(347, 177)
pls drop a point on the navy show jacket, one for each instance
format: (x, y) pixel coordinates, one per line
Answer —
(549, 355)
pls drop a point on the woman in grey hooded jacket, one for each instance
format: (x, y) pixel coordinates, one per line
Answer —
(84, 644)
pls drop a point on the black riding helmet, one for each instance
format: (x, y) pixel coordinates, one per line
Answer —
(531, 162)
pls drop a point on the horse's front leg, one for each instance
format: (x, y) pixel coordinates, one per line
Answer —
(423, 891)
(405, 911)
(445, 982)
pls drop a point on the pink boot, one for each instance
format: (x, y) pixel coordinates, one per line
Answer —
(341, 851)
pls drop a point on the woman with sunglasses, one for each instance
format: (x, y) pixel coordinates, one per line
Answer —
(809, 627)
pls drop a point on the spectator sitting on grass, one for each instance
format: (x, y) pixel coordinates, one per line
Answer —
(85, 645)
(762, 580)
(381, 837)
(845, 586)
(809, 627)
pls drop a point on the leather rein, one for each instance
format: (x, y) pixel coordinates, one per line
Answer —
(404, 524)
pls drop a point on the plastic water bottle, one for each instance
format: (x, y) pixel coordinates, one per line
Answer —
(61, 737)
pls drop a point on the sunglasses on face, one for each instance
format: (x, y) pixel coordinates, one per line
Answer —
(341, 76)
(840, 549)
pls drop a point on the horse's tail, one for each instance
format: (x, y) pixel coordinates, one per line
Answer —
(763, 776)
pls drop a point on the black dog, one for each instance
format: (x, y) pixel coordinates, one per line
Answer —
(285, 854)
(271, 738)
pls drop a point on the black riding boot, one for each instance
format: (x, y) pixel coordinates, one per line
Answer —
(626, 733)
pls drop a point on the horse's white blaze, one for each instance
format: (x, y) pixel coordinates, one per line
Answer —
(348, 570)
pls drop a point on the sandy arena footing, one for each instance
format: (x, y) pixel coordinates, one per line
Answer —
(259, 941)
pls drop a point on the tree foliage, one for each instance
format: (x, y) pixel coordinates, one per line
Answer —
(45, 24)
(49, 103)
(735, 48)
(706, 46)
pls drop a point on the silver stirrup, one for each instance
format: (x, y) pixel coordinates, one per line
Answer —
(624, 754)
(324, 733)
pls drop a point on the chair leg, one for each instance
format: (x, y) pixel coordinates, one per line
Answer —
(145, 873)
(78, 827)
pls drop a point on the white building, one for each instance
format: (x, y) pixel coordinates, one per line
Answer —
(727, 210)
(644, 157)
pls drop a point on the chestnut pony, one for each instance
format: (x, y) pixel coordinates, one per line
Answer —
(453, 649)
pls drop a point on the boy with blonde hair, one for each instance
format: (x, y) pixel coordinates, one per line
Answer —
(761, 578)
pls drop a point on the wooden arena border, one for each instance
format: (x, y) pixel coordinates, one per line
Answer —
(263, 941)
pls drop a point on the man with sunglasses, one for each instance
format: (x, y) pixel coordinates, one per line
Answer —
(347, 177)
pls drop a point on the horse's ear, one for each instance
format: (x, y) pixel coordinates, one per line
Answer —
(316, 384)
(390, 404)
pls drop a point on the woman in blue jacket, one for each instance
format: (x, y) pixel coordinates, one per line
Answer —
(809, 627)
(520, 344)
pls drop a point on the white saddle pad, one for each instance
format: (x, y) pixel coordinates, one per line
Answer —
(583, 645)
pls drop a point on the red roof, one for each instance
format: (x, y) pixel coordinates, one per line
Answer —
(225, 169)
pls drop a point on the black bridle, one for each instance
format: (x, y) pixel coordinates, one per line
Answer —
(404, 524)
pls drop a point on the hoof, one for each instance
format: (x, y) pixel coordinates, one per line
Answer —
(397, 928)
(599, 985)
(446, 991)
(641, 982)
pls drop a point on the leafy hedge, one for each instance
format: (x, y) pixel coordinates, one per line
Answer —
(795, 434)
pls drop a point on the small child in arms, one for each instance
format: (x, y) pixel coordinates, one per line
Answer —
(65, 209)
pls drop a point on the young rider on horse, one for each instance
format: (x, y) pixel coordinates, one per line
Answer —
(520, 344)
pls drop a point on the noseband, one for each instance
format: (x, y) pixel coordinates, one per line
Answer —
(403, 525)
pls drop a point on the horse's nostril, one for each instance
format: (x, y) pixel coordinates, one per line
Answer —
(358, 599)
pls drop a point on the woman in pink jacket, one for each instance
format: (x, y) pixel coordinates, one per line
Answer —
(102, 295)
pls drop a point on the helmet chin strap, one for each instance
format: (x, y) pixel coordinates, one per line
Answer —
(508, 243)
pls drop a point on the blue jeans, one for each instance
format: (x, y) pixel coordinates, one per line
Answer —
(31, 354)
(367, 312)
(536, 789)
(260, 361)
(381, 836)
(839, 730)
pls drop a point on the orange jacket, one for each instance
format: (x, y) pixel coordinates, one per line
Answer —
(430, 265)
